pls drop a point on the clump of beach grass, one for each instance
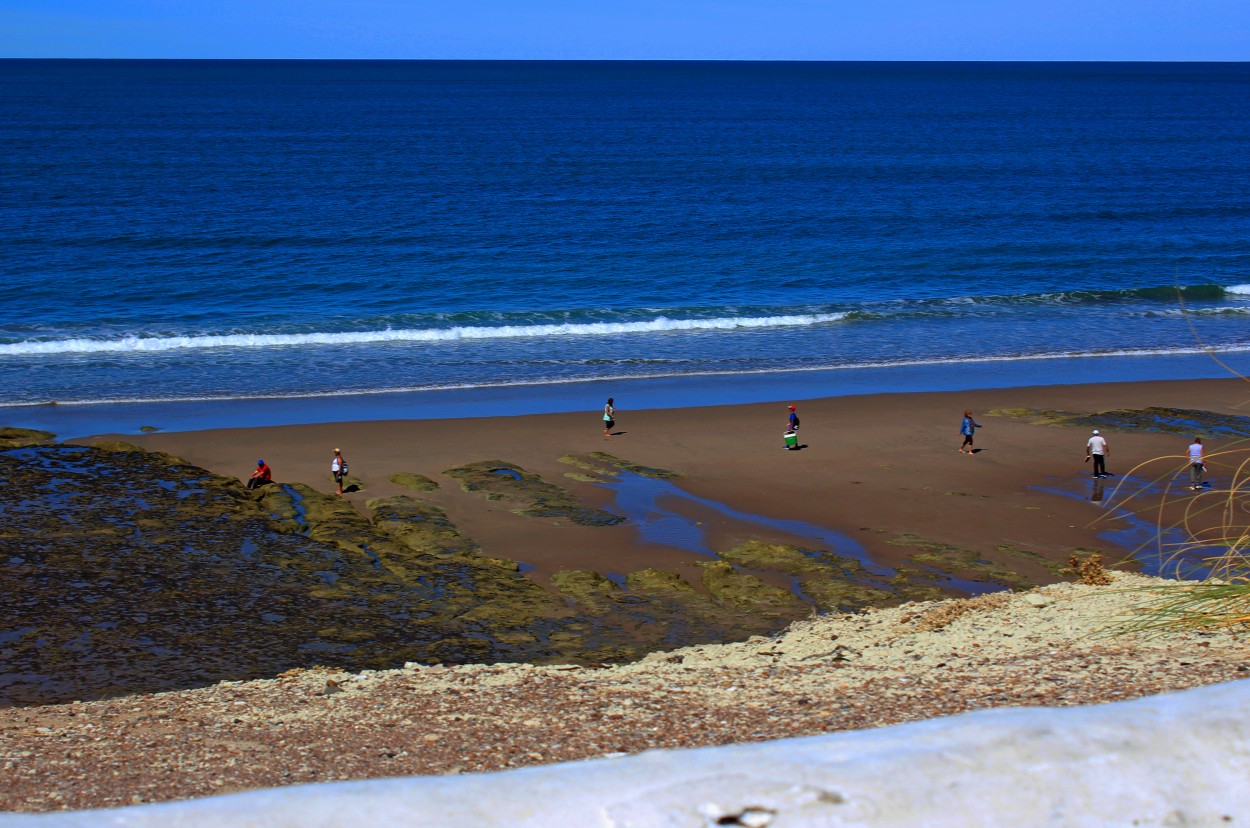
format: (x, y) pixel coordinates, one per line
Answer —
(1217, 518)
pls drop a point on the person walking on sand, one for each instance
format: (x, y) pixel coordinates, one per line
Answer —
(1096, 447)
(792, 429)
(261, 476)
(338, 469)
(609, 419)
(1197, 466)
(967, 429)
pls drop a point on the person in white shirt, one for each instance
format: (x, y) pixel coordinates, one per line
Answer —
(1196, 464)
(1096, 447)
(338, 470)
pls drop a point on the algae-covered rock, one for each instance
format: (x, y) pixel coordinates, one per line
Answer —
(836, 594)
(11, 437)
(279, 502)
(597, 472)
(642, 471)
(120, 446)
(415, 482)
(1181, 421)
(584, 586)
(724, 583)
(948, 558)
(1055, 567)
(420, 525)
(657, 580)
(499, 481)
(792, 560)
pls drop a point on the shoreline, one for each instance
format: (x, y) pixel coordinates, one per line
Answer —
(78, 420)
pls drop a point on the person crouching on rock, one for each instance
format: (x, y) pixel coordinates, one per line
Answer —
(261, 476)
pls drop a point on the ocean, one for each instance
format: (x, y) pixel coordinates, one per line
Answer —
(464, 237)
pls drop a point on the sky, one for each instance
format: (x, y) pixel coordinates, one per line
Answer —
(1153, 30)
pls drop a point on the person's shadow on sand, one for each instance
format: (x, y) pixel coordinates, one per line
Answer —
(351, 487)
(799, 447)
(617, 433)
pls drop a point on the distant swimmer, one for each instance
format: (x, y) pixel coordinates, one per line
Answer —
(967, 429)
(338, 468)
(609, 418)
(261, 476)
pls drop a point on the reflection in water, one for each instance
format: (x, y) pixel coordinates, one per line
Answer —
(1161, 551)
(639, 499)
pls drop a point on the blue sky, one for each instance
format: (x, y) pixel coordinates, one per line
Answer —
(630, 29)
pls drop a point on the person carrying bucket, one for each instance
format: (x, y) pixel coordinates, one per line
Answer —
(791, 435)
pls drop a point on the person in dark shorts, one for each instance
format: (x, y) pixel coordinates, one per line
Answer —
(609, 418)
(967, 429)
(792, 427)
(338, 469)
(261, 476)
(1197, 464)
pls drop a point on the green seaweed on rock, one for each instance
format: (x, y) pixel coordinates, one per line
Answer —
(642, 471)
(507, 481)
(1181, 421)
(953, 559)
(413, 481)
(11, 437)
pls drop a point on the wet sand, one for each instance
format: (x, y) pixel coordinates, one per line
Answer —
(876, 468)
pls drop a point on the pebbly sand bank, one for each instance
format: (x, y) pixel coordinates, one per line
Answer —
(882, 474)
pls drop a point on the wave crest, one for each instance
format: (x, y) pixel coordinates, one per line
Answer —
(152, 344)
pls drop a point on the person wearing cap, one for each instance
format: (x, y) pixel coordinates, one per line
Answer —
(338, 468)
(1096, 447)
(261, 476)
(792, 425)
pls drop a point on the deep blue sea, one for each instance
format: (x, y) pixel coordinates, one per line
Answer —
(261, 230)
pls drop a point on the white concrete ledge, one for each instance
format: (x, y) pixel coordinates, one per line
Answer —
(1181, 759)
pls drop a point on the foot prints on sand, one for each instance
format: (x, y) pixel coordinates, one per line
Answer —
(138, 572)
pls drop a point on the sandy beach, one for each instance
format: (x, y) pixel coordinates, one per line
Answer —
(883, 470)
(876, 468)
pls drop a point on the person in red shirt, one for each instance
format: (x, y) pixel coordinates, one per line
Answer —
(261, 476)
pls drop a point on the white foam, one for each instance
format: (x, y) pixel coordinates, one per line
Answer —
(153, 344)
(1231, 348)
(1239, 290)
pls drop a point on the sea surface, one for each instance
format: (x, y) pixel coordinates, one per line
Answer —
(288, 230)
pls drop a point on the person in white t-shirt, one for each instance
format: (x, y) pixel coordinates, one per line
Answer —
(338, 470)
(1197, 466)
(1096, 447)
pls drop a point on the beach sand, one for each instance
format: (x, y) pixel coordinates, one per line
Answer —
(884, 470)
(877, 468)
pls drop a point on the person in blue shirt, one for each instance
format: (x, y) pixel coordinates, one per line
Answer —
(968, 428)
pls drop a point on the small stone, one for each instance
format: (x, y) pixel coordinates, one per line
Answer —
(1036, 599)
